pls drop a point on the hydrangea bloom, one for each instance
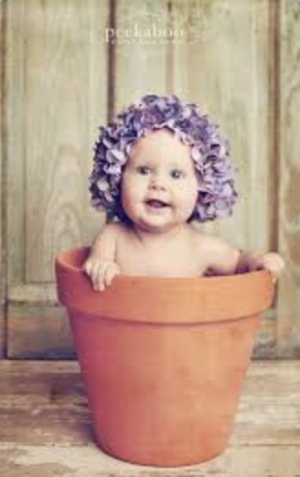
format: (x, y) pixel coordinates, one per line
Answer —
(209, 152)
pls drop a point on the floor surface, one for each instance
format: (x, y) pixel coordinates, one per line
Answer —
(45, 426)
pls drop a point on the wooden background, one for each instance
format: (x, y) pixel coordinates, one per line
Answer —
(60, 79)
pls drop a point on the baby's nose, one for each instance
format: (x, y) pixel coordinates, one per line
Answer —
(158, 182)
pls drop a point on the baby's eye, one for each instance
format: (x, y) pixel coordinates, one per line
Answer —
(177, 174)
(143, 170)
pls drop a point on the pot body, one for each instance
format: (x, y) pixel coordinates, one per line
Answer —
(163, 382)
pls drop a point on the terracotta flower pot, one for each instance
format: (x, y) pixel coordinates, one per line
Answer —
(163, 359)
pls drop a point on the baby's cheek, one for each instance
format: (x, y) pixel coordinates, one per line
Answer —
(189, 205)
(194, 198)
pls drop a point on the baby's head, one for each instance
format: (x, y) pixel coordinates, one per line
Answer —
(166, 130)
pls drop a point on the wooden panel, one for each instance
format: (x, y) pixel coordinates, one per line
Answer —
(288, 337)
(265, 343)
(2, 187)
(15, 119)
(20, 460)
(56, 72)
(46, 426)
(39, 331)
(57, 97)
(141, 54)
(65, 461)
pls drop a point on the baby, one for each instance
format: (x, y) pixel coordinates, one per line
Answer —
(160, 165)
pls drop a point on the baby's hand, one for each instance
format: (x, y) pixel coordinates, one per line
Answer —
(274, 263)
(101, 272)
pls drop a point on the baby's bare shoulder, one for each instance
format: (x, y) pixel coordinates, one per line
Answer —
(204, 240)
(209, 245)
(119, 233)
(109, 236)
(114, 229)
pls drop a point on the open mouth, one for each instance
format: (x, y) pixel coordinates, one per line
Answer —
(157, 204)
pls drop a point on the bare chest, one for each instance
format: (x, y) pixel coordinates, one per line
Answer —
(177, 260)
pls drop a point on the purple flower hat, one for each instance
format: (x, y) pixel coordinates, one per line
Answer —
(209, 152)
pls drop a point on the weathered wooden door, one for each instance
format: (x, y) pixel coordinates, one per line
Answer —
(67, 66)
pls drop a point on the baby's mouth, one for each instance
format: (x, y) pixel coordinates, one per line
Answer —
(157, 204)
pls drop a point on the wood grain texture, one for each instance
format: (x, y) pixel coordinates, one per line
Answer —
(2, 189)
(38, 331)
(141, 50)
(16, 118)
(46, 426)
(59, 135)
(56, 71)
(57, 74)
(288, 324)
(66, 461)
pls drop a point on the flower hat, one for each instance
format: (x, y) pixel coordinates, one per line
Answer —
(209, 152)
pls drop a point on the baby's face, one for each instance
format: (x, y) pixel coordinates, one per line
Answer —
(159, 185)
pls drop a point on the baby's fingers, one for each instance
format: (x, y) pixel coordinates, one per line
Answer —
(274, 263)
(110, 274)
(91, 268)
(99, 277)
(100, 272)
(87, 267)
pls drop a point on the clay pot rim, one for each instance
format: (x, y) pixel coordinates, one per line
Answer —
(163, 300)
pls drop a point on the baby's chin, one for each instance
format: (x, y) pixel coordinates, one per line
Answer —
(157, 227)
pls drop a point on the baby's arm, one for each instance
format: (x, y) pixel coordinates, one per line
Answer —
(250, 261)
(100, 265)
(220, 258)
(226, 260)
